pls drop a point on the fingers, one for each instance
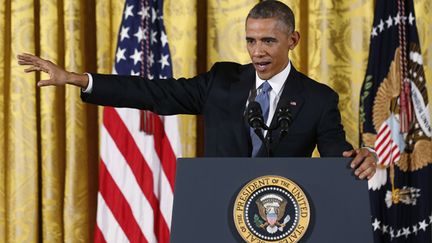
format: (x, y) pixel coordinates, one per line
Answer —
(367, 169)
(33, 69)
(364, 164)
(359, 155)
(29, 59)
(58, 76)
(45, 82)
(38, 64)
(24, 62)
(28, 56)
(26, 59)
(349, 153)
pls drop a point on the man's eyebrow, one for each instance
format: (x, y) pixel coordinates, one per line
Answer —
(261, 38)
(268, 38)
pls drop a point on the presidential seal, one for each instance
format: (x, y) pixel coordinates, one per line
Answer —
(271, 209)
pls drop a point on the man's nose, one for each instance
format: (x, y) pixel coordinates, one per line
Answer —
(258, 50)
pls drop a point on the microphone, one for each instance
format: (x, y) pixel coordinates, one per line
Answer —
(255, 118)
(284, 119)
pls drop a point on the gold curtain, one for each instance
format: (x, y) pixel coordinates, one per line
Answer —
(49, 145)
(181, 23)
(49, 138)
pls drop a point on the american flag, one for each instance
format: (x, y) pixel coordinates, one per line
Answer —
(138, 149)
(386, 147)
(395, 119)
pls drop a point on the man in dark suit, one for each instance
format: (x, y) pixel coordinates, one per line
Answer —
(223, 93)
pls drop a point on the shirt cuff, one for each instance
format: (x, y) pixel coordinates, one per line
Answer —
(89, 88)
(373, 152)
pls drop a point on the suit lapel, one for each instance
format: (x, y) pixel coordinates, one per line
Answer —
(292, 95)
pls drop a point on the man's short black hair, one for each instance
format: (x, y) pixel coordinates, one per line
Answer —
(273, 9)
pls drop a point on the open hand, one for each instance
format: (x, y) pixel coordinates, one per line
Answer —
(57, 75)
(364, 162)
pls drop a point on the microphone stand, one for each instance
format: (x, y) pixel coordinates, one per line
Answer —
(268, 141)
(284, 120)
(255, 119)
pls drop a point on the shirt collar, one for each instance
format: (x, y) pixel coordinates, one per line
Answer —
(277, 82)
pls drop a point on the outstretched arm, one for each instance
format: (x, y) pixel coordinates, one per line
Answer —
(57, 75)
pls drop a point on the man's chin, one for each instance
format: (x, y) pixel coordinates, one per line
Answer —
(263, 75)
(264, 72)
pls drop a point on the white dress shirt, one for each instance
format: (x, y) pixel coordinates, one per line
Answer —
(277, 83)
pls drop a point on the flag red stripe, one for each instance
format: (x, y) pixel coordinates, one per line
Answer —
(395, 153)
(384, 129)
(383, 147)
(119, 206)
(129, 149)
(385, 139)
(386, 157)
(384, 150)
(164, 150)
(98, 236)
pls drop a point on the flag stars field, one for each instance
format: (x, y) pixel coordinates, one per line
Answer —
(164, 39)
(137, 56)
(385, 229)
(154, 15)
(423, 225)
(411, 19)
(397, 19)
(381, 26)
(133, 73)
(376, 224)
(124, 33)
(391, 21)
(120, 54)
(140, 34)
(150, 59)
(164, 61)
(144, 12)
(128, 12)
(404, 231)
(415, 229)
(153, 37)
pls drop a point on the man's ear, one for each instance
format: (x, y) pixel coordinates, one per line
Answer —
(294, 39)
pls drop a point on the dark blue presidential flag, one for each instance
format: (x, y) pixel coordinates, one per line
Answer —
(395, 121)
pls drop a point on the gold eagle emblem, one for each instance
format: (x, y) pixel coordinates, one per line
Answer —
(271, 208)
(418, 152)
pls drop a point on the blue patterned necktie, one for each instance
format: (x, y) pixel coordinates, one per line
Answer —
(263, 98)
